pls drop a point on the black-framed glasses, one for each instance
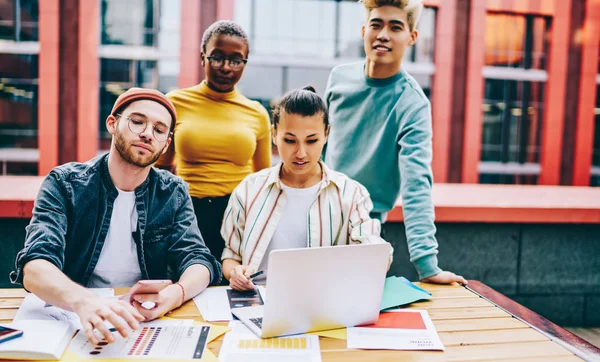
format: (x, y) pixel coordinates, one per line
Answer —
(234, 63)
(138, 125)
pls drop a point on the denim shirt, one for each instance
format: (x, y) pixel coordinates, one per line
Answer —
(72, 213)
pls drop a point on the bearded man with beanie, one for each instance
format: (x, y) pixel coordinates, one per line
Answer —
(115, 220)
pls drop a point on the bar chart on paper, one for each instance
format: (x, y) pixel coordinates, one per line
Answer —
(241, 344)
(144, 342)
(273, 343)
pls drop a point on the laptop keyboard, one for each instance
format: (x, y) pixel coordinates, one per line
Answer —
(257, 321)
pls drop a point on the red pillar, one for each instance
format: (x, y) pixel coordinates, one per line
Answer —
(584, 133)
(554, 103)
(442, 89)
(88, 97)
(474, 94)
(48, 82)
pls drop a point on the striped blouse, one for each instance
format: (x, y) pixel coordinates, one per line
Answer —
(339, 215)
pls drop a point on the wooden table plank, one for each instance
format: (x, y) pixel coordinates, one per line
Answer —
(486, 352)
(491, 337)
(452, 303)
(582, 348)
(452, 293)
(7, 313)
(466, 313)
(13, 293)
(544, 359)
(10, 303)
(449, 325)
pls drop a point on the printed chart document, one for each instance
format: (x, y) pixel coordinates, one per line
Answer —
(177, 339)
(41, 340)
(215, 304)
(33, 308)
(398, 329)
(241, 344)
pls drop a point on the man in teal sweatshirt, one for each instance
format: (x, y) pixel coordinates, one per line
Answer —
(381, 129)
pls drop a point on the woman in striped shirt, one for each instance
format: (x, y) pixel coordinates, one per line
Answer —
(298, 203)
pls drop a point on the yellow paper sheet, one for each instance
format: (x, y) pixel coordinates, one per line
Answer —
(333, 333)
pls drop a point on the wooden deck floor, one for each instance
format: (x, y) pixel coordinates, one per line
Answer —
(591, 335)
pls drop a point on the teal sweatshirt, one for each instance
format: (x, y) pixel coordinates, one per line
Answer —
(381, 137)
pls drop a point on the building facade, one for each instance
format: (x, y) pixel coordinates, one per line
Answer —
(514, 84)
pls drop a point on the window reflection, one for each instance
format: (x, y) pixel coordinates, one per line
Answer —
(25, 28)
(524, 46)
(596, 151)
(129, 22)
(512, 115)
(18, 101)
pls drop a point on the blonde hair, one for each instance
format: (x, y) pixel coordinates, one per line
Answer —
(413, 9)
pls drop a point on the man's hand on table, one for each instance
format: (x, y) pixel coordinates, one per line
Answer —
(164, 302)
(93, 311)
(445, 277)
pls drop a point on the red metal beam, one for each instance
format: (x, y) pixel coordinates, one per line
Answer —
(48, 89)
(88, 69)
(474, 98)
(554, 103)
(584, 136)
(442, 90)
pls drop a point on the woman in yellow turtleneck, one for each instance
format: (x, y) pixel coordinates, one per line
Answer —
(220, 136)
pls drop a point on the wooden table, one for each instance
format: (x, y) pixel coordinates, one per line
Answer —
(474, 323)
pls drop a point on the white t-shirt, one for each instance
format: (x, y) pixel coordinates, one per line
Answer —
(118, 265)
(292, 230)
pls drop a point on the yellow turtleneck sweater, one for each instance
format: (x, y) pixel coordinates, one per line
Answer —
(219, 139)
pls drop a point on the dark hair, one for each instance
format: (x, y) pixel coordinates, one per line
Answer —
(305, 102)
(225, 27)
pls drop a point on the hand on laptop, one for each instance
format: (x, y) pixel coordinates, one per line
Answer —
(445, 277)
(239, 278)
(93, 311)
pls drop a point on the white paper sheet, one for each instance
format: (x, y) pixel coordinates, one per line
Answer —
(33, 308)
(241, 344)
(164, 339)
(405, 329)
(213, 304)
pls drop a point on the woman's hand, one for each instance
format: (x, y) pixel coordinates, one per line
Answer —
(239, 278)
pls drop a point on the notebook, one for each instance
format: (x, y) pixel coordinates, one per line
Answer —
(41, 340)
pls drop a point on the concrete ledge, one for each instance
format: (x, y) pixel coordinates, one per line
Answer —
(512, 204)
(453, 202)
(17, 194)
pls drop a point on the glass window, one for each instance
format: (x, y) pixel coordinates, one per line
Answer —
(18, 112)
(596, 151)
(525, 46)
(292, 27)
(129, 22)
(7, 20)
(19, 20)
(309, 27)
(512, 119)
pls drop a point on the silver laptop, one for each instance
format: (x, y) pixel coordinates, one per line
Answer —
(317, 289)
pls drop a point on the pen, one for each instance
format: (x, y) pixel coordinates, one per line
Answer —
(256, 274)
